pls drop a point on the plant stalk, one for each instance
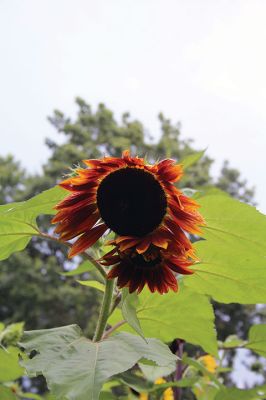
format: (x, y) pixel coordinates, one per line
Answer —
(179, 368)
(105, 310)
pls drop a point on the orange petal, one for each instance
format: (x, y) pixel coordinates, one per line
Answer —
(160, 241)
(143, 245)
(127, 245)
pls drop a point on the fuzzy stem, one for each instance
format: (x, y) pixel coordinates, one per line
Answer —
(105, 310)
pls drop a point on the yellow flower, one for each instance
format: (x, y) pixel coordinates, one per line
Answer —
(159, 381)
(209, 363)
(143, 396)
(168, 394)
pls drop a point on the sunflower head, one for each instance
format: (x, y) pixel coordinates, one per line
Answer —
(141, 205)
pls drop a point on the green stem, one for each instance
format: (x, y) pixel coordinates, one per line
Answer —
(105, 310)
(116, 302)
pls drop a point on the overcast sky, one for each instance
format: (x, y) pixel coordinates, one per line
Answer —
(200, 62)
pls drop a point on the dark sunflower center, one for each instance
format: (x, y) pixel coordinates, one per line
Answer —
(131, 202)
(141, 263)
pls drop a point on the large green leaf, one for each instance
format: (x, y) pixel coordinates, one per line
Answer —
(232, 264)
(257, 339)
(9, 364)
(76, 368)
(18, 220)
(186, 315)
(256, 393)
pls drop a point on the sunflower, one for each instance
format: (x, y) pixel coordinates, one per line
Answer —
(140, 204)
(155, 267)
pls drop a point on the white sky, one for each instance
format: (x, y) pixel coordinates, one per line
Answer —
(200, 62)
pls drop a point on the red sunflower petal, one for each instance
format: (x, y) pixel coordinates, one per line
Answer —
(83, 226)
(87, 240)
(180, 269)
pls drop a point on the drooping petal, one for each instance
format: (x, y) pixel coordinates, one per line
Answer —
(143, 245)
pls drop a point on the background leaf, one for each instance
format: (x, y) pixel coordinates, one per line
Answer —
(257, 339)
(232, 341)
(232, 264)
(85, 266)
(192, 159)
(93, 284)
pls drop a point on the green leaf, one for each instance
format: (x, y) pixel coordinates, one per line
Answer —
(86, 266)
(256, 393)
(129, 305)
(231, 342)
(93, 284)
(135, 382)
(192, 159)
(6, 393)
(76, 368)
(153, 372)
(232, 264)
(257, 339)
(9, 364)
(186, 315)
(18, 220)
